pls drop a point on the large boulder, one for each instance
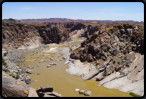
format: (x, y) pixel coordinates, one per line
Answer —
(14, 88)
(90, 59)
(27, 80)
(129, 32)
(28, 71)
(74, 56)
(83, 57)
(46, 91)
(93, 48)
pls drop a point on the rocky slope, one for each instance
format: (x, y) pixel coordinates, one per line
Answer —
(17, 34)
(14, 88)
(113, 53)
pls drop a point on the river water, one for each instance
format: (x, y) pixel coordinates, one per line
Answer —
(56, 76)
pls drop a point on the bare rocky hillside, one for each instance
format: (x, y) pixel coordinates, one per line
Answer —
(17, 34)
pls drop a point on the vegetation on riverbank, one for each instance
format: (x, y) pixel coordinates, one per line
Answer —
(134, 95)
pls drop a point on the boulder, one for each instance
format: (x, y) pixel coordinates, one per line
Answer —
(28, 71)
(77, 90)
(83, 57)
(74, 56)
(49, 66)
(53, 64)
(97, 63)
(93, 48)
(129, 32)
(98, 56)
(90, 59)
(88, 93)
(46, 91)
(32, 92)
(81, 92)
(52, 94)
(121, 39)
(14, 88)
(118, 68)
(27, 80)
(104, 56)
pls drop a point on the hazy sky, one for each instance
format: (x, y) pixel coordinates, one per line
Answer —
(74, 10)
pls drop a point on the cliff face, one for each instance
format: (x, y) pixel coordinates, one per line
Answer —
(77, 29)
(117, 55)
(15, 35)
(112, 40)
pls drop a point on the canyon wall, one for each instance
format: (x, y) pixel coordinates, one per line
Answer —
(17, 34)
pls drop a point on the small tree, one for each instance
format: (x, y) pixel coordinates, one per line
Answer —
(114, 62)
(5, 54)
(125, 51)
(12, 75)
(118, 62)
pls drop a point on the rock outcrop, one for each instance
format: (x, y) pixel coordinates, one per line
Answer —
(14, 88)
(112, 50)
(17, 34)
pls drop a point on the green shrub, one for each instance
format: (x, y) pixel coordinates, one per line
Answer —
(135, 66)
(5, 54)
(12, 75)
(112, 71)
(127, 64)
(70, 49)
(134, 95)
(17, 65)
(104, 74)
(114, 62)
(17, 75)
(3, 61)
(118, 62)
(6, 65)
(124, 52)
(105, 50)
(6, 70)
(87, 57)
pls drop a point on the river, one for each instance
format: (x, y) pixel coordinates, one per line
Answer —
(56, 76)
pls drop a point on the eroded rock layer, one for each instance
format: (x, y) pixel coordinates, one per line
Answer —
(17, 34)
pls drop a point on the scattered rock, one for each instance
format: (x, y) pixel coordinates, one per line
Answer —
(77, 90)
(88, 93)
(27, 80)
(49, 66)
(28, 71)
(81, 92)
(53, 64)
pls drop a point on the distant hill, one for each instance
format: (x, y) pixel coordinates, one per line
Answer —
(72, 20)
(9, 20)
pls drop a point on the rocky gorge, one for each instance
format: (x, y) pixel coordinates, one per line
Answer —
(113, 55)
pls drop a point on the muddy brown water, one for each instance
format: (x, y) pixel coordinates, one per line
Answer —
(58, 78)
